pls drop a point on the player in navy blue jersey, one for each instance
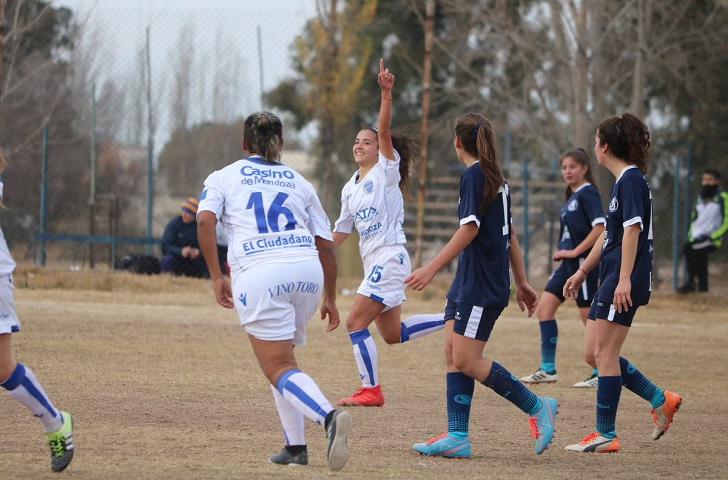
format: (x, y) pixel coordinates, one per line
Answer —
(485, 246)
(623, 253)
(17, 379)
(582, 221)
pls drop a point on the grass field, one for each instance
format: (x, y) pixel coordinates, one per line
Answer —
(162, 384)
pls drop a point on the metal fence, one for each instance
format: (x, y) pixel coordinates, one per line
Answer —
(153, 104)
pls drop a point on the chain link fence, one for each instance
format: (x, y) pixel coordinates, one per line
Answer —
(148, 102)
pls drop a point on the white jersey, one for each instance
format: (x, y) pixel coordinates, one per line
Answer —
(270, 212)
(7, 264)
(374, 205)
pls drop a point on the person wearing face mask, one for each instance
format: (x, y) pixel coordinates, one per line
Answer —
(709, 223)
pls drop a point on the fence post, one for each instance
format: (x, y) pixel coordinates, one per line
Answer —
(688, 200)
(525, 215)
(43, 195)
(150, 146)
(676, 224)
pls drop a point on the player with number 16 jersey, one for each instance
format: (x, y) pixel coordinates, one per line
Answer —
(288, 214)
(281, 258)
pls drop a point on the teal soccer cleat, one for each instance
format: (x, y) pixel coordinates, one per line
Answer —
(543, 423)
(444, 445)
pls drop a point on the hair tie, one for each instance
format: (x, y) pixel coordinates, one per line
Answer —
(477, 127)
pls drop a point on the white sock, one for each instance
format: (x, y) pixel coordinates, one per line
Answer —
(26, 389)
(417, 326)
(292, 420)
(365, 353)
(303, 393)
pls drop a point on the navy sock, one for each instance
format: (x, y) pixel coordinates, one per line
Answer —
(549, 338)
(634, 381)
(460, 389)
(508, 387)
(608, 393)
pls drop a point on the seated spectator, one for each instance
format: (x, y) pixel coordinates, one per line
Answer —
(180, 249)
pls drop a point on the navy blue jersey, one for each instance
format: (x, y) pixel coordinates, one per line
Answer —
(483, 274)
(630, 204)
(581, 212)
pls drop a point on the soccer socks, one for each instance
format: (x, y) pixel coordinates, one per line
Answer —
(292, 420)
(417, 326)
(608, 392)
(635, 382)
(508, 387)
(549, 338)
(26, 389)
(365, 353)
(460, 389)
(303, 393)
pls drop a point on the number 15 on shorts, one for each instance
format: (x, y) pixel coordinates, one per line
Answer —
(375, 274)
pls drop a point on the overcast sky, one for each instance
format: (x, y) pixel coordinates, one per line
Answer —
(306, 6)
(122, 24)
(280, 21)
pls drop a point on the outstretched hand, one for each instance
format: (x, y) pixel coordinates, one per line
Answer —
(385, 79)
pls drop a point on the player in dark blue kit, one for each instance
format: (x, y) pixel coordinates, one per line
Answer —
(624, 255)
(485, 246)
(582, 221)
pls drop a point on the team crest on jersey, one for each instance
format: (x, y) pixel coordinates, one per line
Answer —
(613, 205)
(573, 206)
(368, 186)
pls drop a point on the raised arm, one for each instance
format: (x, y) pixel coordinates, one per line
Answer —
(384, 126)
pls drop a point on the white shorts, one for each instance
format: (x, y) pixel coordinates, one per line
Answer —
(275, 301)
(385, 270)
(8, 318)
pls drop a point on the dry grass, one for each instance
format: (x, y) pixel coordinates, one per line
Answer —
(162, 384)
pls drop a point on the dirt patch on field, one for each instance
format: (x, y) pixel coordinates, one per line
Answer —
(162, 384)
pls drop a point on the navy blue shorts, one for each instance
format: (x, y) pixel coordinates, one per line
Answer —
(607, 311)
(588, 289)
(472, 321)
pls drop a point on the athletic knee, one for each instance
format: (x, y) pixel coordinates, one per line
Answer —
(355, 323)
(590, 358)
(390, 339)
(461, 362)
(273, 372)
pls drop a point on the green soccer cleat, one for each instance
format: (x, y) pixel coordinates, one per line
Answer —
(61, 443)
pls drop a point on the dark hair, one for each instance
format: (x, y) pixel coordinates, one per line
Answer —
(263, 133)
(404, 145)
(582, 158)
(627, 137)
(712, 171)
(476, 136)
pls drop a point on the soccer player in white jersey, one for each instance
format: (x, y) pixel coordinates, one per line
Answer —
(582, 221)
(372, 203)
(281, 260)
(18, 379)
(624, 255)
(486, 247)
